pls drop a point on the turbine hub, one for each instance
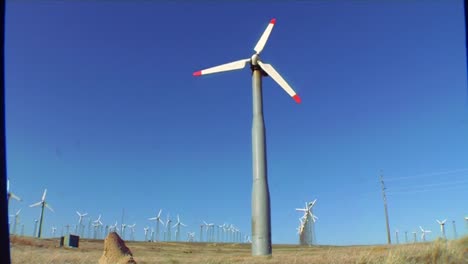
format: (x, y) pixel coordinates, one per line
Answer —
(254, 59)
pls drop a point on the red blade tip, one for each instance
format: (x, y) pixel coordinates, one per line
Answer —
(198, 73)
(297, 99)
(273, 21)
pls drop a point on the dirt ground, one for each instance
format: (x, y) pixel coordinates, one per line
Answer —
(33, 250)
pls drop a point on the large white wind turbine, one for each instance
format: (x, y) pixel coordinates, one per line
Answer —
(442, 226)
(158, 220)
(43, 204)
(261, 222)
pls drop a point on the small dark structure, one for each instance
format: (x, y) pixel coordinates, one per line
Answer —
(70, 241)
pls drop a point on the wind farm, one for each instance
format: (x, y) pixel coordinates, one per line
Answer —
(126, 131)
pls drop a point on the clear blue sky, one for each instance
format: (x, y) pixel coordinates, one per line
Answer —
(103, 111)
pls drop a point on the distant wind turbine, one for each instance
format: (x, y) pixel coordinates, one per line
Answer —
(158, 220)
(146, 233)
(177, 225)
(423, 233)
(442, 226)
(80, 225)
(43, 204)
(16, 221)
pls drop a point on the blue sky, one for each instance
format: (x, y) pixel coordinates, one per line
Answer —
(103, 111)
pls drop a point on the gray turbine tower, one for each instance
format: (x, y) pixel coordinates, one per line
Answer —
(261, 223)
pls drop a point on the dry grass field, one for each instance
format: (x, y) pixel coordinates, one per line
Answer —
(39, 251)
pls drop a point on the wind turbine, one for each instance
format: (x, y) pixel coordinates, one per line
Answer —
(158, 220)
(423, 233)
(53, 231)
(396, 237)
(43, 204)
(16, 221)
(10, 194)
(168, 225)
(406, 237)
(80, 225)
(123, 226)
(190, 236)
(442, 226)
(454, 229)
(201, 232)
(178, 224)
(261, 222)
(308, 223)
(35, 228)
(97, 224)
(466, 221)
(132, 231)
(415, 238)
(146, 233)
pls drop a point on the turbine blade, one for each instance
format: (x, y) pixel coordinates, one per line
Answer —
(50, 208)
(161, 221)
(159, 214)
(263, 39)
(12, 195)
(235, 65)
(278, 79)
(36, 204)
(44, 195)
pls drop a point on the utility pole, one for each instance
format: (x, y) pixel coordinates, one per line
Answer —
(389, 240)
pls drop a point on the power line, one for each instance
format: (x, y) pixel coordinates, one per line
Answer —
(427, 174)
(429, 190)
(432, 185)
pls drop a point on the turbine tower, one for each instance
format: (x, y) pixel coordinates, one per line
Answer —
(158, 220)
(442, 227)
(454, 229)
(168, 225)
(43, 204)
(261, 222)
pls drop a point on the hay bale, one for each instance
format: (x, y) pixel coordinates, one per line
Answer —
(115, 251)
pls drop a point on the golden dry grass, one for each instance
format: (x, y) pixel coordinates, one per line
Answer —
(38, 251)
